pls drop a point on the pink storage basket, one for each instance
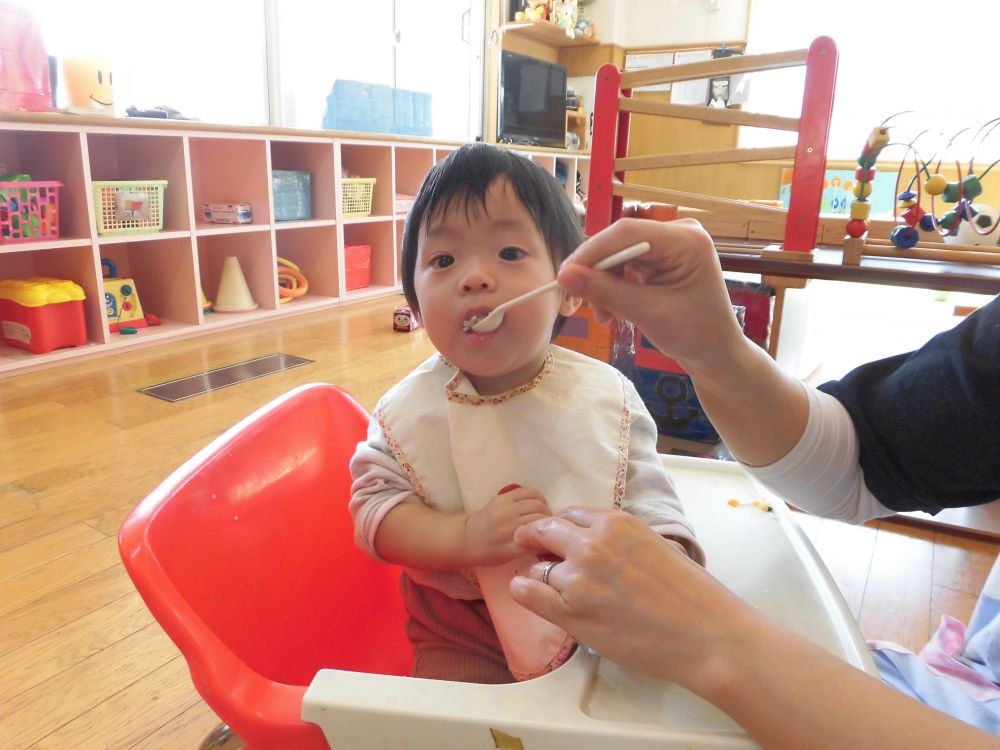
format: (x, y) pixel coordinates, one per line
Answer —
(29, 211)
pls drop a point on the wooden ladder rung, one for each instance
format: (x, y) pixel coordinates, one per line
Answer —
(699, 158)
(723, 66)
(696, 200)
(707, 114)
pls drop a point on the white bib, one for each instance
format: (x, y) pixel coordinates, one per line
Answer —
(564, 433)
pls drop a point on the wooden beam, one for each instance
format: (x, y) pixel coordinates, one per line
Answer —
(950, 256)
(922, 245)
(698, 158)
(724, 66)
(694, 200)
(708, 114)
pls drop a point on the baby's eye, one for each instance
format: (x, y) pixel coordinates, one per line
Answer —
(511, 253)
(442, 261)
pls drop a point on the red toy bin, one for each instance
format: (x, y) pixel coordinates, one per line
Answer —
(41, 314)
(29, 211)
(357, 266)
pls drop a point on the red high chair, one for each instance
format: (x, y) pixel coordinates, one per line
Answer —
(245, 555)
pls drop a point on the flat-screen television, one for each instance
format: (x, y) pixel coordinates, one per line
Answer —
(532, 101)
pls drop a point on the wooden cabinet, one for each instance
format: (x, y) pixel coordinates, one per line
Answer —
(172, 268)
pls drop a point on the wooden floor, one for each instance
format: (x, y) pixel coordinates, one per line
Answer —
(83, 664)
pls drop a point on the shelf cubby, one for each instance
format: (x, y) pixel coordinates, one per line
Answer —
(116, 156)
(47, 155)
(548, 163)
(381, 237)
(400, 228)
(316, 158)
(411, 166)
(314, 251)
(163, 272)
(371, 160)
(230, 170)
(442, 153)
(76, 264)
(256, 257)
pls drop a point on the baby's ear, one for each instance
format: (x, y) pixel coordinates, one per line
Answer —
(570, 305)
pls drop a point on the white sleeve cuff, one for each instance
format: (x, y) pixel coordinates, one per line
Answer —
(821, 474)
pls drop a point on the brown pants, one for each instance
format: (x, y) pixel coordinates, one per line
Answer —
(453, 639)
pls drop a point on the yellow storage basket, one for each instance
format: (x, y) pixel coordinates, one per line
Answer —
(357, 195)
(128, 207)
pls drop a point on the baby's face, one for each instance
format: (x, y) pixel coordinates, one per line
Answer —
(468, 263)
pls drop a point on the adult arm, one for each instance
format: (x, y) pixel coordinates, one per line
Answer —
(822, 474)
(641, 603)
(683, 308)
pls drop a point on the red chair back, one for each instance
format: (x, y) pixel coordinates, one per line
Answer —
(245, 555)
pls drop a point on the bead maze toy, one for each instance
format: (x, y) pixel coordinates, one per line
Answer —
(969, 230)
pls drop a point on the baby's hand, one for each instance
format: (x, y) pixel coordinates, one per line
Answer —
(489, 532)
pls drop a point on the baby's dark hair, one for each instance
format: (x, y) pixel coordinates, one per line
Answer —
(464, 177)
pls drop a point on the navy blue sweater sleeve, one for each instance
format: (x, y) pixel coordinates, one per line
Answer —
(929, 421)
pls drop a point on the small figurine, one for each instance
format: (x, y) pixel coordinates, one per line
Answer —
(403, 319)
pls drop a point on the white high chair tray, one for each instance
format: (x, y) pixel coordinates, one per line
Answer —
(591, 703)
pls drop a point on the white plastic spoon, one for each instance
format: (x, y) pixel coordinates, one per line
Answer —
(492, 320)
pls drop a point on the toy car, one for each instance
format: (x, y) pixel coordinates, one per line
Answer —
(403, 319)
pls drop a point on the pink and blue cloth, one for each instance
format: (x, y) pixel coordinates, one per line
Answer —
(958, 671)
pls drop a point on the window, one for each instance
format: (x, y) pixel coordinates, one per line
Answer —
(205, 59)
(894, 58)
(209, 58)
(435, 49)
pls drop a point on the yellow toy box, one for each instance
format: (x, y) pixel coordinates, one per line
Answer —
(41, 314)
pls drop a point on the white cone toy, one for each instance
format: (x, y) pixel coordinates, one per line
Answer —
(233, 295)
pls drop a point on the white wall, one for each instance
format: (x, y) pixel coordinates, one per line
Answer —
(648, 23)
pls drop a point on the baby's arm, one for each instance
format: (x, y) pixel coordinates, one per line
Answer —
(421, 537)
(649, 493)
(392, 521)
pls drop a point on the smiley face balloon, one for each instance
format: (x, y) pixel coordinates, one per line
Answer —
(89, 84)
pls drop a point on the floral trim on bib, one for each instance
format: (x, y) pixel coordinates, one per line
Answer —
(474, 399)
(398, 454)
(623, 437)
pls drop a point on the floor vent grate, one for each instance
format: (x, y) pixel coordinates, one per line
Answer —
(223, 377)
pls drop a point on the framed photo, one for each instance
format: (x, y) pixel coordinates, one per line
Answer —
(718, 92)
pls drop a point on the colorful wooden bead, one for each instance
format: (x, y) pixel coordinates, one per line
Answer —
(965, 210)
(856, 228)
(949, 220)
(864, 174)
(907, 204)
(878, 138)
(913, 215)
(862, 190)
(860, 210)
(907, 195)
(971, 187)
(927, 222)
(950, 194)
(936, 184)
(904, 237)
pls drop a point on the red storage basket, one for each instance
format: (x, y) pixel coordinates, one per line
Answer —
(29, 211)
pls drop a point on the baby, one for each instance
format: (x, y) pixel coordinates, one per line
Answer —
(499, 428)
